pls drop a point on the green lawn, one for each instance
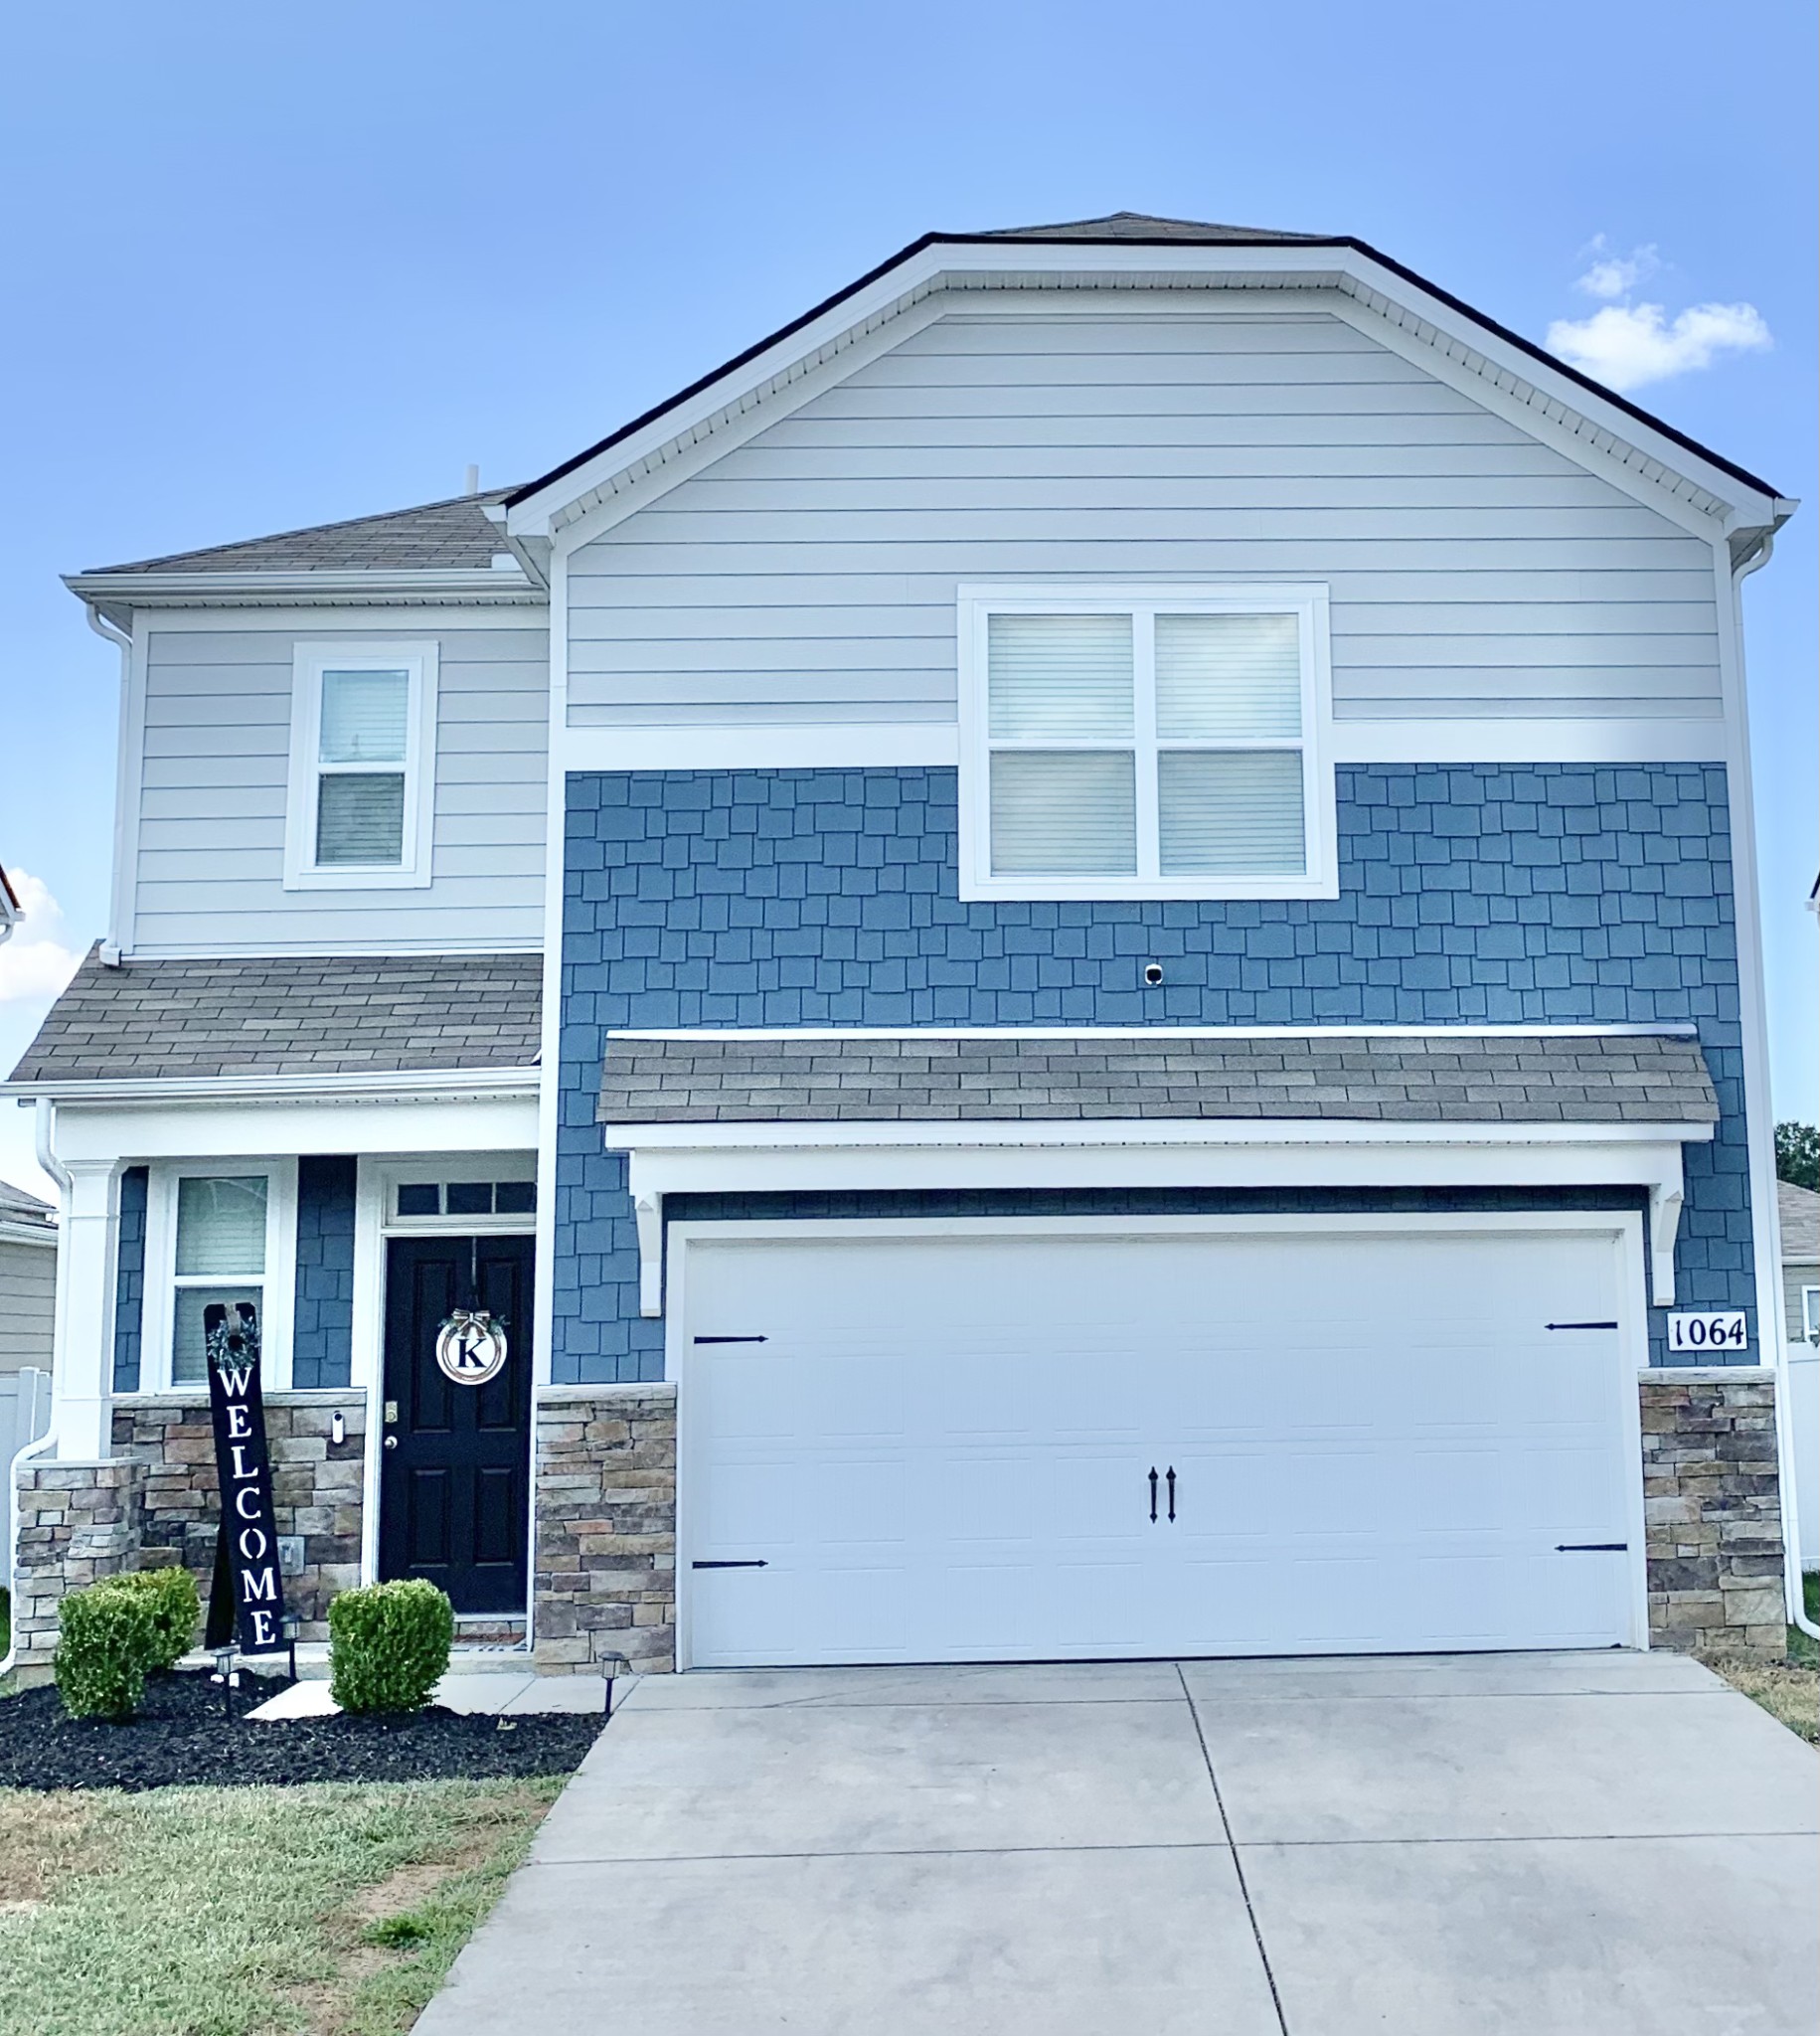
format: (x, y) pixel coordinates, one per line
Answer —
(237, 1912)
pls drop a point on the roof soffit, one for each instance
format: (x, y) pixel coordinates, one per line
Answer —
(1602, 431)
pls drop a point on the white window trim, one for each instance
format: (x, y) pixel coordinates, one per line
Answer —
(1810, 1314)
(309, 661)
(157, 1317)
(1307, 602)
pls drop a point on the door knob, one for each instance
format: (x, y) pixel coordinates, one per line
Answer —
(392, 1441)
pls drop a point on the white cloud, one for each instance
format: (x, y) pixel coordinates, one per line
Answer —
(35, 963)
(1616, 275)
(1626, 346)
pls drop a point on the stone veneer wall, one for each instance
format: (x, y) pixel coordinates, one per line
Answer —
(77, 1522)
(318, 1488)
(604, 1571)
(1713, 1511)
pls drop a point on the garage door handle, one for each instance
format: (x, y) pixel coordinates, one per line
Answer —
(1171, 1491)
(731, 1566)
(1153, 1491)
(1590, 1547)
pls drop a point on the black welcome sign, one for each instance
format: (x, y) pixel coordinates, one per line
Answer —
(247, 1605)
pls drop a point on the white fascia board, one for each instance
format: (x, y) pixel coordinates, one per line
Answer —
(1396, 299)
(40, 1234)
(178, 589)
(1668, 1028)
(364, 614)
(396, 1127)
(1208, 1134)
(1298, 1155)
(455, 1083)
(1471, 342)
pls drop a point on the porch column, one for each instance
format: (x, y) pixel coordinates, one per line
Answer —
(82, 1373)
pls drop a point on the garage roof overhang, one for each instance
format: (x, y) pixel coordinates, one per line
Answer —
(819, 1112)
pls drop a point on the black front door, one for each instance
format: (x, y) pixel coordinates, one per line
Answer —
(456, 1457)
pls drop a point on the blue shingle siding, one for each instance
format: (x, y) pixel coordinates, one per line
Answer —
(1469, 894)
(129, 1282)
(323, 1324)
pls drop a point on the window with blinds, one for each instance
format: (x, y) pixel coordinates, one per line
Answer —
(1150, 747)
(221, 1257)
(359, 762)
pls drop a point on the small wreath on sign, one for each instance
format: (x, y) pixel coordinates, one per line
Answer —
(471, 1347)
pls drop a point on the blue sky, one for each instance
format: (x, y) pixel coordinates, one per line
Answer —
(273, 266)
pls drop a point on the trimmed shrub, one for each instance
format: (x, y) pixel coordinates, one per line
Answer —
(108, 1640)
(389, 1645)
(176, 1610)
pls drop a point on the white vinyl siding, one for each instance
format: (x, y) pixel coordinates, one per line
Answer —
(28, 1304)
(1121, 744)
(210, 868)
(809, 574)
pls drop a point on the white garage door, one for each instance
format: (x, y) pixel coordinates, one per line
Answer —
(992, 1446)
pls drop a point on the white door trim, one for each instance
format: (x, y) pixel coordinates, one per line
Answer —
(1630, 1345)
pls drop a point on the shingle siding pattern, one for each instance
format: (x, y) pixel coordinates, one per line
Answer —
(129, 1281)
(289, 1015)
(1528, 1079)
(451, 535)
(322, 1327)
(1469, 895)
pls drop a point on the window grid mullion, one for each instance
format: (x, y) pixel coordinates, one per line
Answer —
(1143, 708)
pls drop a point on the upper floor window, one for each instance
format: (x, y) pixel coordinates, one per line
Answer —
(363, 753)
(1145, 743)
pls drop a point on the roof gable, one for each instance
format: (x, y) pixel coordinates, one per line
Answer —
(1126, 250)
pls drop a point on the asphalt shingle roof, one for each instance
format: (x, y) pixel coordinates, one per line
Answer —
(1626, 1078)
(1144, 225)
(289, 1015)
(16, 1206)
(452, 535)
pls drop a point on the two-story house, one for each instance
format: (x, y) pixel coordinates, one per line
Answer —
(1069, 959)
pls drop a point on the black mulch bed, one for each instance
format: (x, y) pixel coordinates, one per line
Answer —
(181, 1736)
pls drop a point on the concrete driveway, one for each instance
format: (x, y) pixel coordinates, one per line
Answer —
(1539, 1844)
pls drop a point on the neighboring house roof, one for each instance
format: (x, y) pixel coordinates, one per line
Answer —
(1482, 1078)
(451, 535)
(1799, 1218)
(11, 911)
(16, 1206)
(1126, 229)
(170, 1020)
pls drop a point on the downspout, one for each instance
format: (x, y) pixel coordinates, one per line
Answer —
(48, 1159)
(1770, 1319)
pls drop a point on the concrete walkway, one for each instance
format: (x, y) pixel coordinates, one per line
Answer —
(513, 1693)
(1501, 1845)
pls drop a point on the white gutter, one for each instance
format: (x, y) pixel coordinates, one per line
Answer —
(48, 1159)
(357, 1087)
(1771, 1329)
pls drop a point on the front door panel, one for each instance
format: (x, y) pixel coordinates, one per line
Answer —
(456, 1462)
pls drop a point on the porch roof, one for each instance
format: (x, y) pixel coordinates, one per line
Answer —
(1548, 1075)
(290, 1014)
